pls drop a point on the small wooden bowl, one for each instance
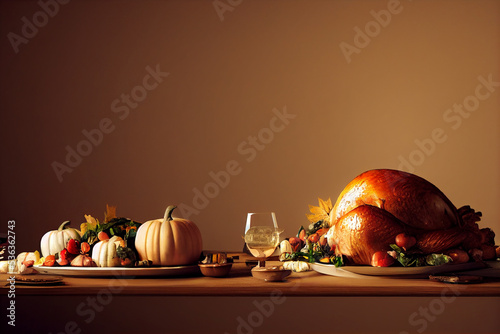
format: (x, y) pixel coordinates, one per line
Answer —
(271, 274)
(215, 269)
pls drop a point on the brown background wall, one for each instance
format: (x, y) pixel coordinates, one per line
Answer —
(227, 80)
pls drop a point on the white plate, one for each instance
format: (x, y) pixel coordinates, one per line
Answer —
(365, 271)
(330, 269)
(119, 271)
(493, 271)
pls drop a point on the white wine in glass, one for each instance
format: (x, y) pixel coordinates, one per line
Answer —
(262, 235)
(262, 241)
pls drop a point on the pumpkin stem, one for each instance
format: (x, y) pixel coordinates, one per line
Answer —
(168, 213)
(63, 225)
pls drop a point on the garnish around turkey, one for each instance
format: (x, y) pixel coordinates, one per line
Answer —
(387, 218)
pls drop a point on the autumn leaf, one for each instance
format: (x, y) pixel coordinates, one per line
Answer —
(110, 213)
(326, 206)
(91, 224)
(316, 210)
(321, 212)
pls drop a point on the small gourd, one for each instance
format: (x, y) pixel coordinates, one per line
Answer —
(83, 260)
(286, 247)
(285, 250)
(296, 266)
(105, 254)
(55, 241)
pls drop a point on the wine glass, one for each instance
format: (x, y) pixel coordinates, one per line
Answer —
(262, 236)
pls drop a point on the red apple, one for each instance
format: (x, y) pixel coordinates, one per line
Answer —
(65, 257)
(102, 236)
(405, 241)
(73, 246)
(382, 259)
(313, 238)
(296, 243)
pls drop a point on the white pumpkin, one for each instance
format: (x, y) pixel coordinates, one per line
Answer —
(285, 250)
(55, 241)
(104, 252)
(8, 267)
(296, 266)
(285, 247)
(169, 241)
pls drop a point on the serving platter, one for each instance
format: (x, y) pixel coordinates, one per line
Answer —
(120, 271)
(424, 271)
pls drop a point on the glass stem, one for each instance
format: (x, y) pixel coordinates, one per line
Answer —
(261, 264)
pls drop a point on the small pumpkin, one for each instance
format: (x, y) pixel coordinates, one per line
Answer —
(285, 250)
(169, 241)
(296, 266)
(55, 241)
(285, 247)
(105, 254)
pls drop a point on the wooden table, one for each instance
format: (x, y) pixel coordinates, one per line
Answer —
(240, 283)
(238, 296)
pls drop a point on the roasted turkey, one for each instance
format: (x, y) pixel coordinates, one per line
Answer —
(380, 204)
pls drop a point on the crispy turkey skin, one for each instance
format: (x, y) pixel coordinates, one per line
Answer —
(380, 204)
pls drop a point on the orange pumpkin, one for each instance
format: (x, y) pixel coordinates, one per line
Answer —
(169, 241)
